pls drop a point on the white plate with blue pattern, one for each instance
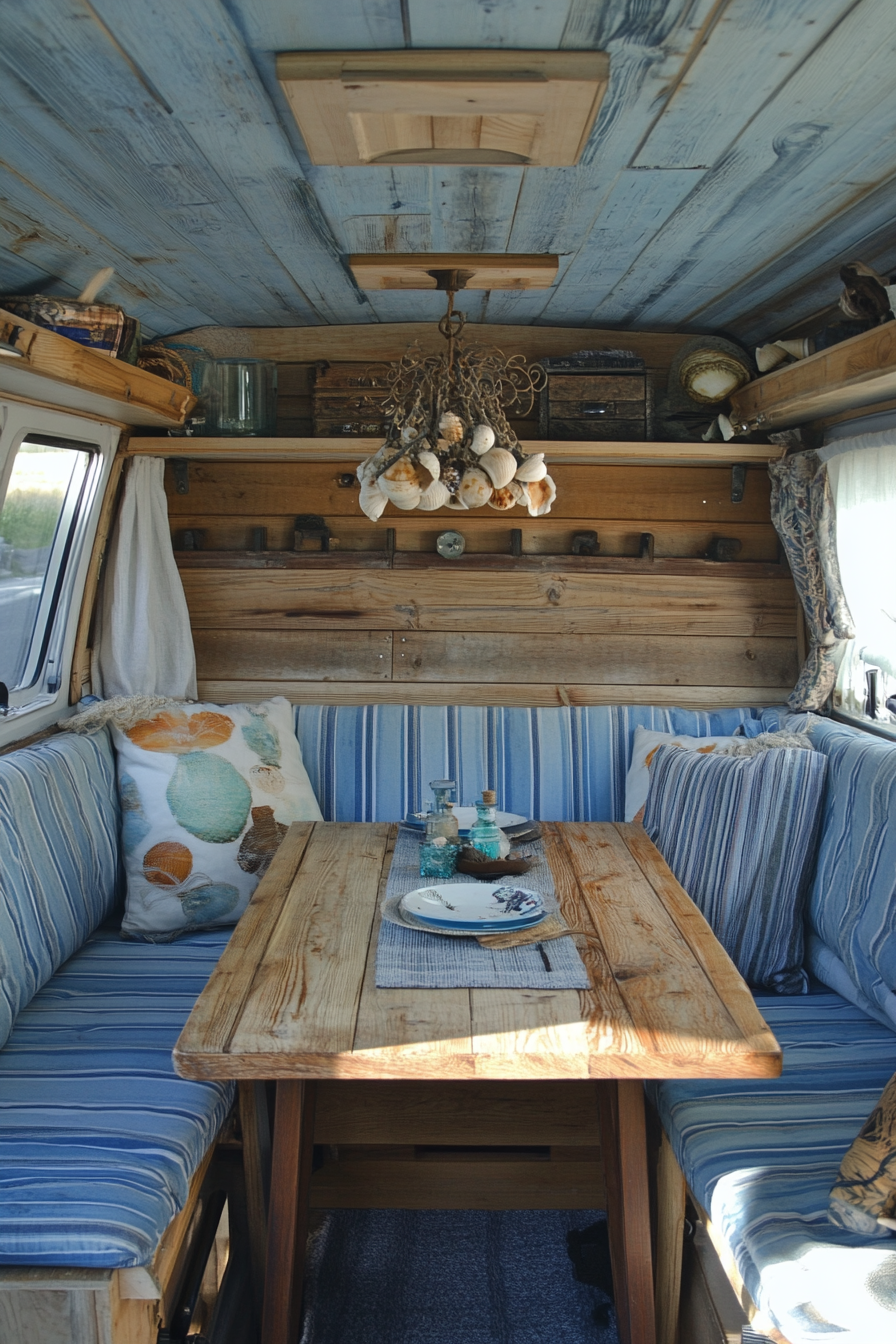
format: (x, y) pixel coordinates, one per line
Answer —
(475, 907)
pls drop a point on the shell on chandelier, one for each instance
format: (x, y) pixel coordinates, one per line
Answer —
(532, 468)
(482, 439)
(475, 488)
(500, 465)
(540, 496)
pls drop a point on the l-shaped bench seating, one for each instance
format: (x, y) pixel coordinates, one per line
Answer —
(99, 1139)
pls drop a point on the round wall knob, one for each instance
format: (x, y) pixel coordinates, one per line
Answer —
(450, 545)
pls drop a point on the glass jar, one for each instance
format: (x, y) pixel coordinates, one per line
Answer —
(438, 858)
(242, 397)
(442, 821)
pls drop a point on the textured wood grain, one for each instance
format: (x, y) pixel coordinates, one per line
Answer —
(634, 492)
(476, 1114)
(303, 1004)
(314, 961)
(489, 693)
(348, 655)
(562, 603)
(452, 1185)
(672, 659)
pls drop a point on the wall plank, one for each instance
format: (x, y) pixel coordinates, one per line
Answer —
(316, 655)
(540, 603)
(242, 489)
(673, 660)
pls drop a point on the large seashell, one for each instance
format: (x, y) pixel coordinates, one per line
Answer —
(508, 495)
(402, 484)
(451, 427)
(500, 465)
(483, 439)
(456, 503)
(435, 496)
(532, 468)
(372, 501)
(430, 463)
(167, 864)
(475, 488)
(541, 496)
(208, 797)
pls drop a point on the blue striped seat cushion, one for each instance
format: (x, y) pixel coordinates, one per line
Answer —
(761, 1157)
(374, 762)
(58, 859)
(852, 902)
(740, 835)
(98, 1137)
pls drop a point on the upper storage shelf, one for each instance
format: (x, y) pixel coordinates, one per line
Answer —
(58, 371)
(854, 373)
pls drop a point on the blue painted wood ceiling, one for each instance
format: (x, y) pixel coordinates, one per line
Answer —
(745, 148)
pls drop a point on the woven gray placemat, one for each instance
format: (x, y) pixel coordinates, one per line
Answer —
(411, 959)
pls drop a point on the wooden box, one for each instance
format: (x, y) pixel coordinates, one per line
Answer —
(348, 401)
(595, 401)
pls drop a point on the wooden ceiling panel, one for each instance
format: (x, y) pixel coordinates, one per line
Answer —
(741, 153)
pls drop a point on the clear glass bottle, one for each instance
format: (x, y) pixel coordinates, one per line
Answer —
(484, 833)
(442, 821)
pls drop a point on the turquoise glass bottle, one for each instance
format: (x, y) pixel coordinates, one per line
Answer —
(484, 833)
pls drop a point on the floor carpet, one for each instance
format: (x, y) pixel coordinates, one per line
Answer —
(397, 1276)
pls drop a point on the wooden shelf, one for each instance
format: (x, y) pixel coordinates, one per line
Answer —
(555, 450)
(855, 373)
(59, 372)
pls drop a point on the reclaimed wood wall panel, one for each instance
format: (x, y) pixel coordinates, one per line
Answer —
(559, 603)
(245, 489)
(365, 624)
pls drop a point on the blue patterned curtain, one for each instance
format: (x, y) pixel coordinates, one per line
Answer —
(803, 515)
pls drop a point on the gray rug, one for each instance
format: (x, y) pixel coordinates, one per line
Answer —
(398, 1276)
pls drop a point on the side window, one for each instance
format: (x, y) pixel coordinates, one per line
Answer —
(53, 469)
(44, 499)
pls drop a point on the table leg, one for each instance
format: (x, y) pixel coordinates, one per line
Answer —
(256, 1127)
(288, 1211)
(623, 1141)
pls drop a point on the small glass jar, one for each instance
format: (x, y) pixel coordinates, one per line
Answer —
(484, 833)
(438, 858)
(242, 397)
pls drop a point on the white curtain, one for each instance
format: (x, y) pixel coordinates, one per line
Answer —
(862, 474)
(143, 641)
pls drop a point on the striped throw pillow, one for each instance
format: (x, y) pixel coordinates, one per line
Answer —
(740, 834)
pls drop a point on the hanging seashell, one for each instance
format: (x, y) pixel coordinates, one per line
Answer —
(475, 488)
(409, 434)
(372, 501)
(532, 468)
(455, 502)
(500, 465)
(451, 427)
(435, 496)
(541, 496)
(505, 498)
(451, 474)
(367, 471)
(483, 439)
(402, 483)
(430, 463)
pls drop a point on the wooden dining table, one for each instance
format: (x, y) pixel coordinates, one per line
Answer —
(294, 1000)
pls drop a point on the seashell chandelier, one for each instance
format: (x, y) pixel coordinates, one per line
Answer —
(449, 443)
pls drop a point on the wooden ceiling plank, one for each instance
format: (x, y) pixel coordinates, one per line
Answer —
(106, 217)
(281, 25)
(557, 211)
(777, 175)
(501, 23)
(83, 76)
(489, 270)
(690, 132)
(639, 204)
(224, 108)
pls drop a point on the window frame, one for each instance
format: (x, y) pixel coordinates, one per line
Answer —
(43, 697)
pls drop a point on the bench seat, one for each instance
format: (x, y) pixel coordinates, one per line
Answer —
(761, 1157)
(98, 1137)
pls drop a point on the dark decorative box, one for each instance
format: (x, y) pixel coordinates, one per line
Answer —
(348, 400)
(596, 394)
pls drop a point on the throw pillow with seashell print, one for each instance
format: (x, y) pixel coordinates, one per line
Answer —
(207, 794)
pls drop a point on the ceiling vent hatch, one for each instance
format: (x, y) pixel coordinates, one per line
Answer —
(477, 108)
